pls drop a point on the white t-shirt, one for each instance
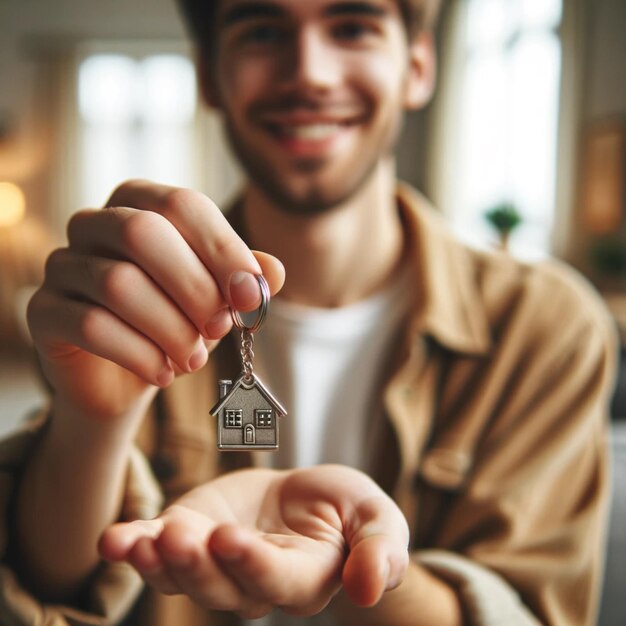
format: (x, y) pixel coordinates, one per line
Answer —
(325, 367)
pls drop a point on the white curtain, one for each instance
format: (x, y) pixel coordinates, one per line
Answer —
(531, 160)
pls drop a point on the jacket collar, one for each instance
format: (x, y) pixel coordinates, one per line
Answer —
(450, 307)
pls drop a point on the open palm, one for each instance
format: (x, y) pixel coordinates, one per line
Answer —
(257, 539)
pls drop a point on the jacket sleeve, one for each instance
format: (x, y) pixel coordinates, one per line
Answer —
(114, 587)
(521, 537)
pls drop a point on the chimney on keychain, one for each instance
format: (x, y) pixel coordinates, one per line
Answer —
(224, 386)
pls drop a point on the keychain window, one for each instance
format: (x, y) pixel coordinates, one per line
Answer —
(234, 418)
(263, 418)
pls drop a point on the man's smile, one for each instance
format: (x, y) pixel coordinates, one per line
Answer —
(312, 131)
(313, 139)
(305, 133)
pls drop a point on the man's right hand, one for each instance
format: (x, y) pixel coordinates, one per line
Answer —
(140, 295)
(137, 296)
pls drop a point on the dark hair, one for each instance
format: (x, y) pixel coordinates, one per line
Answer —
(418, 15)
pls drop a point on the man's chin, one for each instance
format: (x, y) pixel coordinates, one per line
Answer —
(311, 187)
(310, 202)
(312, 194)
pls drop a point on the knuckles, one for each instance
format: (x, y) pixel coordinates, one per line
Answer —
(138, 227)
(54, 262)
(119, 281)
(180, 204)
(125, 190)
(92, 324)
(76, 222)
(222, 244)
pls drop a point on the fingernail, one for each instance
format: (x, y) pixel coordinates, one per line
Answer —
(198, 358)
(218, 325)
(245, 292)
(165, 377)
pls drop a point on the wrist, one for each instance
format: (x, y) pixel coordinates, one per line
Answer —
(70, 418)
(75, 439)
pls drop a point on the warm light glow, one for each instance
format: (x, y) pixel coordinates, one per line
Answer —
(12, 204)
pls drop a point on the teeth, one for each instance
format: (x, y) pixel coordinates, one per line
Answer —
(310, 131)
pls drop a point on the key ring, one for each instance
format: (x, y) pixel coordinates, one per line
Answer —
(265, 301)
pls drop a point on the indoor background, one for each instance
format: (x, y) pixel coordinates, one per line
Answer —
(523, 147)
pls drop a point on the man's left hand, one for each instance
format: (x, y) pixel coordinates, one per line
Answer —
(256, 539)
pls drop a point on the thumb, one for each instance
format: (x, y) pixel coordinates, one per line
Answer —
(378, 557)
(273, 270)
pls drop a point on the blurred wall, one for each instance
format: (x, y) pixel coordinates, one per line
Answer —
(28, 25)
(605, 75)
(34, 32)
(603, 98)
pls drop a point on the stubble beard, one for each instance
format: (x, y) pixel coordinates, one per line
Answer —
(316, 200)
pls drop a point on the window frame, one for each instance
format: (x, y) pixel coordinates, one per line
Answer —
(235, 415)
(260, 415)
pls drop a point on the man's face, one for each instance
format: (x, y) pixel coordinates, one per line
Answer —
(312, 93)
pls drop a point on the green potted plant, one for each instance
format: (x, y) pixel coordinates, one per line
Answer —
(504, 218)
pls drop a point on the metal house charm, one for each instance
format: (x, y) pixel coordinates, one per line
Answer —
(247, 416)
(247, 413)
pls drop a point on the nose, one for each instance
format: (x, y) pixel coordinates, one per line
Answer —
(313, 64)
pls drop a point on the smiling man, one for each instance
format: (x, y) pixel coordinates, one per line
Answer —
(313, 113)
(443, 461)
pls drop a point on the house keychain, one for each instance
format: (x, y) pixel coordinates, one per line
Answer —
(247, 413)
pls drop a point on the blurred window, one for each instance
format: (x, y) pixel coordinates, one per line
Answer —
(137, 120)
(508, 125)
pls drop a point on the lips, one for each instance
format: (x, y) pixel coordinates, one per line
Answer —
(311, 140)
(307, 129)
(307, 132)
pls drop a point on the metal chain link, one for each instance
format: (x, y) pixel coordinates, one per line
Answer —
(247, 354)
(247, 337)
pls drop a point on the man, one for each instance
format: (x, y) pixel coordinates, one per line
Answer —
(480, 411)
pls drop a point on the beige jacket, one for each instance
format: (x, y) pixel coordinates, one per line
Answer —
(493, 444)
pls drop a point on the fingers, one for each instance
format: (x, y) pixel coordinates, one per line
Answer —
(372, 568)
(147, 561)
(272, 269)
(182, 549)
(57, 322)
(153, 244)
(378, 556)
(184, 242)
(141, 286)
(270, 568)
(171, 555)
(134, 542)
(118, 540)
(226, 568)
(371, 523)
(294, 559)
(131, 295)
(204, 227)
